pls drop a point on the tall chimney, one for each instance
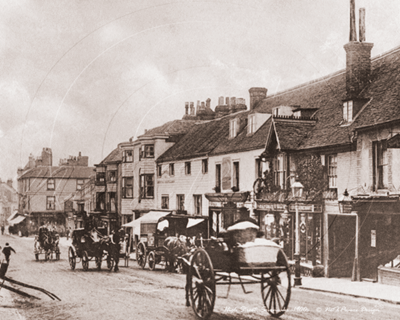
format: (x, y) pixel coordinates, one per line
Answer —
(256, 95)
(208, 103)
(221, 101)
(203, 105)
(228, 101)
(186, 108)
(361, 27)
(192, 108)
(358, 58)
(353, 31)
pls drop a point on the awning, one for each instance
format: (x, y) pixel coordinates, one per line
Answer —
(192, 222)
(16, 220)
(394, 142)
(151, 217)
(14, 215)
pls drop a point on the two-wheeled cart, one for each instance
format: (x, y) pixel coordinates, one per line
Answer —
(227, 262)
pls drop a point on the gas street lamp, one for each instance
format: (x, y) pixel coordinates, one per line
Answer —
(297, 192)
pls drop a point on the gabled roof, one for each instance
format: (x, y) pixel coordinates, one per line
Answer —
(174, 127)
(290, 134)
(63, 172)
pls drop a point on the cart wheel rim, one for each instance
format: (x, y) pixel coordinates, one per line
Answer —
(152, 261)
(276, 291)
(202, 284)
(141, 255)
(71, 258)
(85, 261)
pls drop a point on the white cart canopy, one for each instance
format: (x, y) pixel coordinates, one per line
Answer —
(151, 217)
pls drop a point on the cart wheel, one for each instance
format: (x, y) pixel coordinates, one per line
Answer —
(57, 256)
(85, 261)
(110, 264)
(152, 260)
(276, 289)
(37, 256)
(202, 284)
(71, 258)
(141, 255)
(98, 262)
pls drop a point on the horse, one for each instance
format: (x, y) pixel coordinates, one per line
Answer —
(176, 248)
(112, 249)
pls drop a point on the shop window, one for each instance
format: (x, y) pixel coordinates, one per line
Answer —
(165, 202)
(236, 174)
(379, 159)
(218, 179)
(50, 184)
(51, 203)
(187, 168)
(280, 171)
(204, 165)
(127, 156)
(147, 186)
(112, 176)
(180, 202)
(332, 171)
(127, 187)
(197, 204)
(100, 201)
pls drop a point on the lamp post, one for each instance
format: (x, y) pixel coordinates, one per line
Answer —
(297, 191)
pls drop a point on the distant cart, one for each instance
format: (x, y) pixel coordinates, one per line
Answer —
(47, 243)
(159, 243)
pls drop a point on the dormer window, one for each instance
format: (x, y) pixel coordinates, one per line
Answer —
(233, 128)
(251, 125)
(348, 111)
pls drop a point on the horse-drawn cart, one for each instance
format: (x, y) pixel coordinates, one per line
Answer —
(95, 244)
(47, 243)
(239, 258)
(160, 241)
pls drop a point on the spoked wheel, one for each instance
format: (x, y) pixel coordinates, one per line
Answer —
(48, 255)
(152, 260)
(202, 284)
(85, 261)
(141, 255)
(275, 290)
(37, 256)
(110, 264)
(98, 262)
(71, 258)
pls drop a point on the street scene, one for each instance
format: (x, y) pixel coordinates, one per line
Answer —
(199, 160)
(134, 293)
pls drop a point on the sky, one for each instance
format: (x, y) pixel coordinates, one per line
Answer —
(85, 75)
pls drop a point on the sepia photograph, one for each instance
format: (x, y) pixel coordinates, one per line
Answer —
(199, 159)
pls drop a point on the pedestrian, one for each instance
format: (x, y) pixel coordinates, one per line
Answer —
(68, 233)
(7, 252)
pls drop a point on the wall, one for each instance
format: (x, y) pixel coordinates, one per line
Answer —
(346, 172)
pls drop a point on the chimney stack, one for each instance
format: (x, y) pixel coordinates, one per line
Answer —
(203, 105)
(228, 101)
(192, 108)
(221, 101)
(208, 103)
(358, 57)
(186, 108)
(256, 95)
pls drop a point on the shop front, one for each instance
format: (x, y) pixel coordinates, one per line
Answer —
(278, 220)
(55, 219)
(225, 209)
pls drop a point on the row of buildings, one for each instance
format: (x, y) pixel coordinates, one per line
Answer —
(338, 135)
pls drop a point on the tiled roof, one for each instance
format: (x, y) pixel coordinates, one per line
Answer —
(200, 140)
(114, 156)
(327, 94)
(171, 128)
(64, 172)
(290, 134)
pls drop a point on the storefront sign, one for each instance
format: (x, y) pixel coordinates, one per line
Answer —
(306, 207)
(215, 204)
(165, 181)
(271, 206)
